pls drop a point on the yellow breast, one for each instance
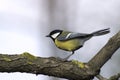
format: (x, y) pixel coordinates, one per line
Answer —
(69, 45)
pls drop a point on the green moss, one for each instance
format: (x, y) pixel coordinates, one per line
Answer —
(28, 56)
(80, 64)
(30, 63)
(7, 59)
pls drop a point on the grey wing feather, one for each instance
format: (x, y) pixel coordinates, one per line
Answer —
(73, 36)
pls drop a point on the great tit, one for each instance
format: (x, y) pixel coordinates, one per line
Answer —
(71, 41)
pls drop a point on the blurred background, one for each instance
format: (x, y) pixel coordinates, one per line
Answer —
(25, 23)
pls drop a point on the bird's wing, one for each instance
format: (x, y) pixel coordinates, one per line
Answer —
(71, 35)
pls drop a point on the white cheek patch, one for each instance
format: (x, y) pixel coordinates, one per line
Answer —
(55, 35)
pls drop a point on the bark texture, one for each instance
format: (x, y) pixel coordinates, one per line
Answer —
(54, 67)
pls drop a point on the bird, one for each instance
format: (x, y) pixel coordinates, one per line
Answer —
(72, 41)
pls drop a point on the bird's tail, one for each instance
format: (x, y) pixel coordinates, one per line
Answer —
(101, 32)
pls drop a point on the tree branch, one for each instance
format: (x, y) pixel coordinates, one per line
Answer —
(37, 65)
(115, 77)
(105, 53)
(54, 67)
(101, 77)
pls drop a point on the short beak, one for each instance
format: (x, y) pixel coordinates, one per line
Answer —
(47, 35)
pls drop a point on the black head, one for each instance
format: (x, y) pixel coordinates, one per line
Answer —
(54, 34)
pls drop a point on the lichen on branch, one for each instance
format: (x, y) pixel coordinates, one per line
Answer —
(51, 66)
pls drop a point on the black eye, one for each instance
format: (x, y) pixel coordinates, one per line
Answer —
(55, 31)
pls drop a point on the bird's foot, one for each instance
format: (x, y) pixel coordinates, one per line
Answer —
(62, 59)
